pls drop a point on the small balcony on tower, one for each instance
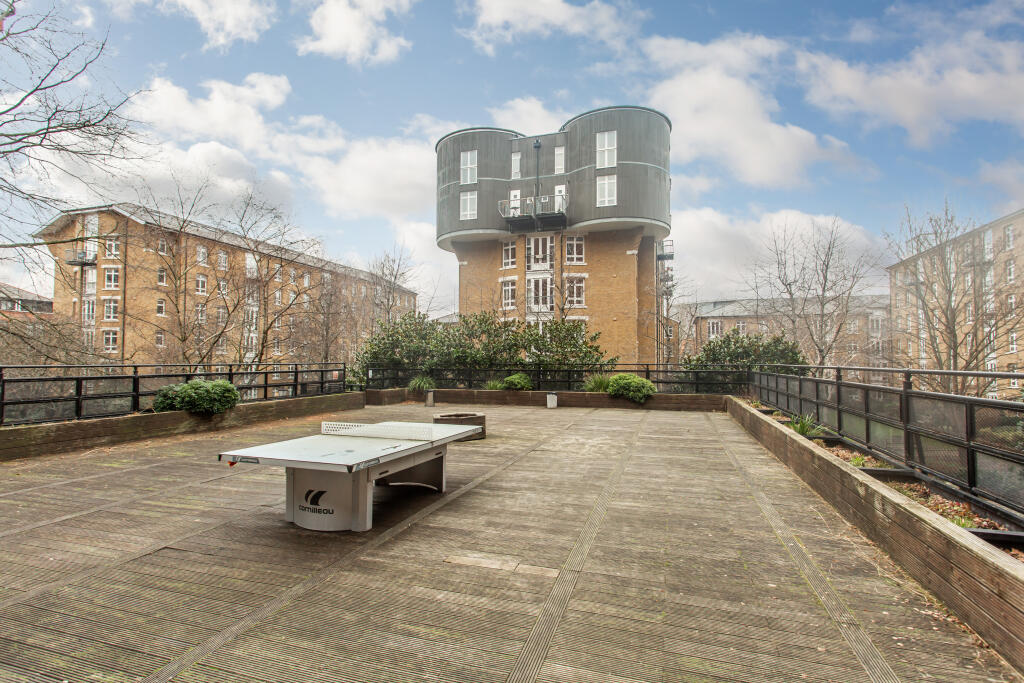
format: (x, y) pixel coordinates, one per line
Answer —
(81, 255)
(535, 213)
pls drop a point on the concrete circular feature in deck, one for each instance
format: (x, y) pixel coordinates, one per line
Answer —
(478, 419)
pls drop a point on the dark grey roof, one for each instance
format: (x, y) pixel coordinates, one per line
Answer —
(18, 294)
(736, 308)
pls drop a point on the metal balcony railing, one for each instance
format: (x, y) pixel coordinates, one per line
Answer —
(545, 205)
(80, 257)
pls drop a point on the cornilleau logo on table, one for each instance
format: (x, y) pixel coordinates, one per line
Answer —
(313, 498)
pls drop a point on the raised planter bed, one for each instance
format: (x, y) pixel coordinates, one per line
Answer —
(477, 419)
(566, 399)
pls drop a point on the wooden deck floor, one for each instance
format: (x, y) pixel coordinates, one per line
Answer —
(573, 545)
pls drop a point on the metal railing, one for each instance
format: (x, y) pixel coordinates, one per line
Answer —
(533, 206)
(51, 393)
(974, 443)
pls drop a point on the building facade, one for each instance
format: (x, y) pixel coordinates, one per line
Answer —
(149, 287)
(16, 300)
(864, 337)
(564, 225)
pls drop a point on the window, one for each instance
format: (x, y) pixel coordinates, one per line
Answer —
(292, 296)
(222, 260)
(222, 315)
(113, 248)
(1014, 382)
(853, 327)
(222, 345)
(277, 347)
(538, 294)
(88, 311)
(161, 307)
(968, 312)
(467, 206)
(1013, 342)
(508, 294)
(714, 328)
(277, 273)
(575, 292)
(109, 341)
(159, 339)
(291, 276)
(202, 255)
(1008, 237)
(989, 280)
(222, 286)
(161, 276)
(741, 326)
(1011, 303)
(875, 324)
(517, 171)
(277, 323)
(305, 301)
(467, 167)
(508, 254)
(559, 159)
(1011, 274)
(606, 149)
(252, 266)
(200, 313)
(111, 278)
(574, 249)
(606, 190)
(540, 253)
(277, 298)
(89, 338)
(201, 284)
(988, 245)
(305, 279)
(90, 280)
(161, 246)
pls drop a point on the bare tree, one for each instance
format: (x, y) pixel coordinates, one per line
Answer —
(390, 274)
(807, 281)
(954, 298)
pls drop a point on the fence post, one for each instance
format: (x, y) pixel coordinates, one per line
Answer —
(231, 373)
(295, 381)
(135, 388)
(344, 379)
(908, 385)
(322, 379)
(78, 397)
(647, 372)
(972, 456)
(266, 382)
(3, 395)
(839, 400)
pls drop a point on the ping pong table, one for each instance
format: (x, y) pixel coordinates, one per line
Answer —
(330, 476)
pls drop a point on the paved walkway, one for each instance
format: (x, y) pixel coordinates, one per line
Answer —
(573, 545)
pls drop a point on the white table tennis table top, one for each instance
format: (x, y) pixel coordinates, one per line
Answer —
(348, 447)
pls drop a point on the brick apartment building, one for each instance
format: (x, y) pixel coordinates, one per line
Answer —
(16, 300)
(565, 225)
(955, 304)
(149, 287)
(864, 339)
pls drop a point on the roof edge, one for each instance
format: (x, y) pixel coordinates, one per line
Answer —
(460, 131)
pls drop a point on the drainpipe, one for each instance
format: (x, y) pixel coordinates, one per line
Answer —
(536, 193)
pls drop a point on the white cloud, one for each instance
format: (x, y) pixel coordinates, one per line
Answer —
(715, 95)
(1007, 177)
(354, 30)
(436, 276)
(691, 187)
(528, 115)
(86, 17)
(504, 21)
(222, 21)
(430, 126)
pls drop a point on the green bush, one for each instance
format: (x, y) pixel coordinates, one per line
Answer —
(495, 384)
(636, 389)
(422, 383)
(597, 383)
(206, 398)
(166, 398)
(804, 426)
(518, 382)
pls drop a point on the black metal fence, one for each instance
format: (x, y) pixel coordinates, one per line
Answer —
(668, 378)
(50, 393)
(974, 443)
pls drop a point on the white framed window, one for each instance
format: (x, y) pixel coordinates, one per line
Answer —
(987, 244)
(606, 190)
(202, 255)
(161, 277)
(222, 315)
(508, 254)
(741, 326)
(575, 291)
(305, 279)
(508, 294)
(714, 328)
(161, 307)
(90, 280)
(277, 323)
(111, 278)
(201, 284)
(161, 246)
(467, 206)
(540, 252)
(88, 311)
(113, 247)
(277, 298)
(875, 324)
(109, 341)
(158, 339)
(222, 286)
(200, 313)
(1011, 303)
(606, 149)
(574, 250)
(1013, 342)
(222, 260)
(1011, 272)
(968, 313)
(538, 294)
(560, 159)
(1008, 237)
(517, 162)
(1014, 381)
(291, 276)
(853, 327)
(305, 301)
(89, 339)
(277, 347)
(989, 280)
(221, 345)
(278, 270)
(292, 296)
(467, 167)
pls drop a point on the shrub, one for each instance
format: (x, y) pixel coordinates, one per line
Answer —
(166, 398)
(804, 426)
(422, 383)
(206, 398)
(518, 382)
(636, 389)
(597, 382)
(495, 384)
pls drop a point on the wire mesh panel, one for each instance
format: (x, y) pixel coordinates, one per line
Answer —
(807, 388)
(887, 438)
(107, 385)
(940, 457)
(855, 426)
(827, 392)
(1001, 478)
(944, 417)
(105, 406)
(1000, 428)
(884, 404)
(39, 412)
(828, 416)
(39, 388)
(851, 398)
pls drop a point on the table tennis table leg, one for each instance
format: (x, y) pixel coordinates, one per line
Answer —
(361, 500)
(289, 495)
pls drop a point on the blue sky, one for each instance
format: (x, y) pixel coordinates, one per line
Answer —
(782, 113)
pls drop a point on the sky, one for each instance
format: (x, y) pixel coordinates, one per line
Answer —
(783, 113)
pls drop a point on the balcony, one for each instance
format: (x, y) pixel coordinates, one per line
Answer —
(666, 250)
(80, 257)
(535, 213)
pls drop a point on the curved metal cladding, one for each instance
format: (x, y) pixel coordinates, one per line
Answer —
(642, 171)
(494, 166)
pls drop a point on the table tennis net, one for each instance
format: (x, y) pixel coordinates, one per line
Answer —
(382, 430)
